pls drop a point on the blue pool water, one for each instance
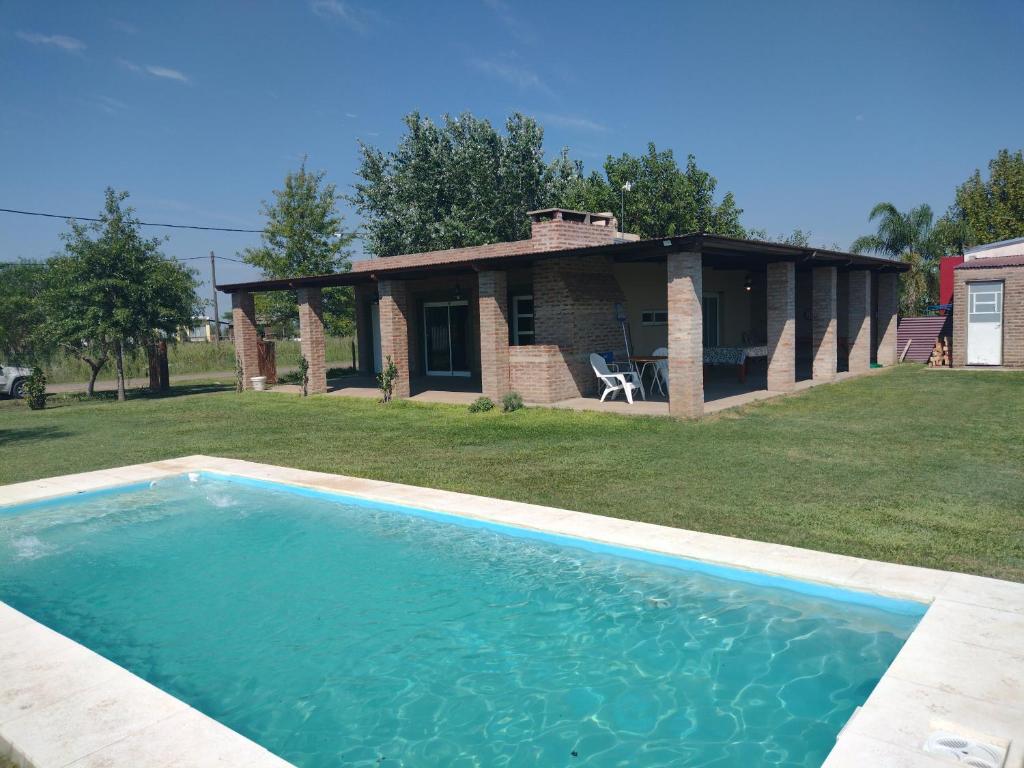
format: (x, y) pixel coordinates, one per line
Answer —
(341, 634)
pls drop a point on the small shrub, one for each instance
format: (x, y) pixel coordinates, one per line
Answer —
(386, 380)
(35, 389)
(304, 375)
(481, 405)
(511, 402)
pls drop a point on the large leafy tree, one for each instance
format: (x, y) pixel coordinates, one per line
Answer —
(112, 291)
(21, 312)
(304, 235)
(913, 238)
(452, 184)
(988, 210)
(663, 198)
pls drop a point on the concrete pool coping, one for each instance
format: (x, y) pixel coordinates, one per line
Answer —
(961, 670)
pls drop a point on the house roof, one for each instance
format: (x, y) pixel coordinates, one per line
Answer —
(993, 262)
(723, 252)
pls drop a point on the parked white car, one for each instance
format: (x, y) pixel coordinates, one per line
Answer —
(12, 380)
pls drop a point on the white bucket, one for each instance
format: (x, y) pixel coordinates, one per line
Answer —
(259, 383)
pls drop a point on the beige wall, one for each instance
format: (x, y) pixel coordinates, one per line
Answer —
(645, 287)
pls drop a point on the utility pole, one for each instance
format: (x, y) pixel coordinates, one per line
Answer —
(216, 309)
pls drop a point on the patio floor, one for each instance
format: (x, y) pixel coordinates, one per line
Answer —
(722, 391)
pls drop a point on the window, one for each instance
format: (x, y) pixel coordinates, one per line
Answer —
(522, 320)
(710, 308)
(654, 317)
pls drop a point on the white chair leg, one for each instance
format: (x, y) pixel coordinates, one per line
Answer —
(628, 389)
(605, 393)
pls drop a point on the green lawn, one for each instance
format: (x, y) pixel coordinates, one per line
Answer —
(913, 466)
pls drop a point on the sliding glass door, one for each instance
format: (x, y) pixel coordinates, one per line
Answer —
(446, 338)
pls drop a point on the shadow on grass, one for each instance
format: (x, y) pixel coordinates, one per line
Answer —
(64, 399)
(10, 437)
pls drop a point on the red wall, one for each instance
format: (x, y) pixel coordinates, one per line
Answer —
(946, 266)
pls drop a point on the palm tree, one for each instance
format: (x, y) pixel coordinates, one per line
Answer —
(913, 238)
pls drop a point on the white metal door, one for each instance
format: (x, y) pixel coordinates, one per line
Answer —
(375, 325)
(985, 323)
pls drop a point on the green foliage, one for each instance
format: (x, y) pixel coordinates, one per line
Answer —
(112, 288)
(665, 200)
(452, 184)
(481, 405)
(511, 402)
(35, 389)
(386, 380)
(797, 237)
(304, 235)
(913, 238)
(304, 375)
(988, 210)
(22, 313)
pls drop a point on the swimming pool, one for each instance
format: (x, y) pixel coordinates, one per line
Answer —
(333, 630)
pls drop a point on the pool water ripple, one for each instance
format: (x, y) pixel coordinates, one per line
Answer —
(336, 634)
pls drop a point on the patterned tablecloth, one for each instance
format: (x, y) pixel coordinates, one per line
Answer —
(732, 355)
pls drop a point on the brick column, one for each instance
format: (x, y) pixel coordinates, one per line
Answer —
(824, 323)
(313, 345)
(685, 335)
(888, 304)
(860, 321)
(781, 300)
(243, 315)
(494, 355)
(394, 331)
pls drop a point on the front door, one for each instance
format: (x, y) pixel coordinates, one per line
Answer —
(446, 336)
(985, 323)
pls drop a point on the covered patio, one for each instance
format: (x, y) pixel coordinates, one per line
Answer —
(733, 320)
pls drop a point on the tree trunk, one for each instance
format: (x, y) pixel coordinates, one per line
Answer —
(152, 357)
(95, 366)
(120, 372)
(165, 374)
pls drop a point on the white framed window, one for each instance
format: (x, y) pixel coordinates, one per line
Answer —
(523, 331)
(654, 317)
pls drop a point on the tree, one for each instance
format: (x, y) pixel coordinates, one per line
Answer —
(21, 312)
(912, 238)
(452, 184)
(304, 235)
(797, 237)
(664, 200)
(986, 211)
(112, 290)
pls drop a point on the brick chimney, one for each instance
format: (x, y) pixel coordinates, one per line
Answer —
(553, 229)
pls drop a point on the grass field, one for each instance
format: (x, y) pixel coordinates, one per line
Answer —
(186, 357)
(912, 466)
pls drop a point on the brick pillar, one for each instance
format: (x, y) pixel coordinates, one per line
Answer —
(243, 315)
(860, 321)
(313, 345)
(394, 331)
(494, 356)
(781, 301)
(888, 303)
(685, 335)
(824, 323)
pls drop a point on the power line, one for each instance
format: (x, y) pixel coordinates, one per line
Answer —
(141, 223)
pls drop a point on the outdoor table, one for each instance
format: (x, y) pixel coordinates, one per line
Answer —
(642, 363)
(734, 356)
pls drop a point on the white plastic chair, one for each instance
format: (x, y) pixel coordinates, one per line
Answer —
(661, 369)
(615, 382)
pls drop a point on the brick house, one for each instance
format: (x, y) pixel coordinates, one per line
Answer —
(526, 315)
(988, 306)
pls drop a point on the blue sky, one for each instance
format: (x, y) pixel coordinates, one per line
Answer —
(810, 112)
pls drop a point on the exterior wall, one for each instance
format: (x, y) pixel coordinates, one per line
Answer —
(781, 298)
(540, 373)
(574, 302)
(685, 340)
(243, 311)
(859, 298)
(824, 332)
(394, 331)
(311, 333)
(1013, 312)
(442, 289)
(886, 306)
(494, 346)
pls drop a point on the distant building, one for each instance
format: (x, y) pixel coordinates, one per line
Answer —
(988, 306)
